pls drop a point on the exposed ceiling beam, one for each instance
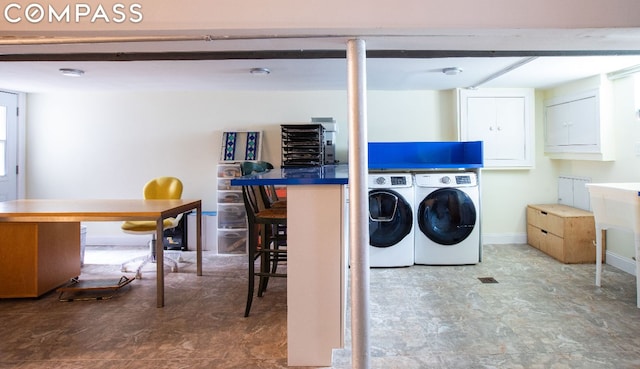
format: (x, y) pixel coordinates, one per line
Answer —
(299, 54)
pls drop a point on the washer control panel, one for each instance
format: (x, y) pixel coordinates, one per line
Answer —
(383, 180)
(462, 179)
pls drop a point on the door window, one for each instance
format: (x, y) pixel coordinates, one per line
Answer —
(3, 141)
(390, 218)
(8, 146)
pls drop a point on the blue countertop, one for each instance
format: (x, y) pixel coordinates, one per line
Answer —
(324, 175)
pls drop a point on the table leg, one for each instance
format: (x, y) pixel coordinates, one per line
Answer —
(599, 230)
(159, 263)
(199, 241)
(636, 238)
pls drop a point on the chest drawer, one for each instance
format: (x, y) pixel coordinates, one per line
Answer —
(563, 232)
(542, 219)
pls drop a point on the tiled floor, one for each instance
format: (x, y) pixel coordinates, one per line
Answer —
(540, 314)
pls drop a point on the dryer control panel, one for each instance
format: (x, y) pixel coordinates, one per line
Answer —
(464, 180)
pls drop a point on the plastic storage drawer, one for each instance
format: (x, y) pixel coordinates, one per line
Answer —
(232, 216)
(230, 197)
(232, 241)
(225, 185)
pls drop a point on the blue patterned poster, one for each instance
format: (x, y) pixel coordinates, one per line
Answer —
(230, 146)
(251, 152)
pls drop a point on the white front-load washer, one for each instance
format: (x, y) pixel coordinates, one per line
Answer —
(391, 216)
(447, 218)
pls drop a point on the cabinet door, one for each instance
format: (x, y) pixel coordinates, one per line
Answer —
(500, 123)
(583, 125)
(557, 123)
(577, 127)
(511, 128)
(481, 122)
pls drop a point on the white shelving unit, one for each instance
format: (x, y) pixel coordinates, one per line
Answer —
(232, 219)
(236, 146)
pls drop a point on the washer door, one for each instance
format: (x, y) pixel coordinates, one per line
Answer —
(390, 218)
(447, 216)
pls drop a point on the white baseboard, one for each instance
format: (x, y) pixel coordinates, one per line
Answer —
(621, 262)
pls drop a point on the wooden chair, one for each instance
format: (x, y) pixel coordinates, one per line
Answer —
(271, 198)
(268, 193)
(265, 241)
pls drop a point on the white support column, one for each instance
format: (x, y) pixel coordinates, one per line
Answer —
(358, 204)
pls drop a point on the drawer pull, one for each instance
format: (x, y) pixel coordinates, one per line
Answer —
(543, 231)
(543, 212)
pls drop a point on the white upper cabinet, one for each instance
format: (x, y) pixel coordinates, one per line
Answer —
(577, 126)
(573, 123)
(503, 120)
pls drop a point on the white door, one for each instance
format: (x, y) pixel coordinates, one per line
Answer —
(8, 146)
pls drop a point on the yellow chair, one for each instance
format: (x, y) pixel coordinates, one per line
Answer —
(158, 188)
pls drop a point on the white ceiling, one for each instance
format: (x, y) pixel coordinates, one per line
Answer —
(298, 74)
(317, 74)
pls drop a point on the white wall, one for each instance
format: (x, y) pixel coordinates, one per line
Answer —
(107, 145)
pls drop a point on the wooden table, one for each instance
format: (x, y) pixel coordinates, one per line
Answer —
(40, 239)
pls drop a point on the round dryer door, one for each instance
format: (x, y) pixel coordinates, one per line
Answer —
(447, 216)
(390, 218)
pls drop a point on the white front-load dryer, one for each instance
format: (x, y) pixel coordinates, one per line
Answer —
(447, 218)
(391, 216)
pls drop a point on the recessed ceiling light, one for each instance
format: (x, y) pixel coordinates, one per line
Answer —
(71, 72)
(452, 71)
(260, 71)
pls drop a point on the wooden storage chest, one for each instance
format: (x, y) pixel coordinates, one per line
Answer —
(563, 232)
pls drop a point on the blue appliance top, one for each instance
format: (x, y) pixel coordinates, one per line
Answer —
(425, 155)
(404, 156)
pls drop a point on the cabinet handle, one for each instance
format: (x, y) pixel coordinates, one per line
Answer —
(543, 212)
(543, 231)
